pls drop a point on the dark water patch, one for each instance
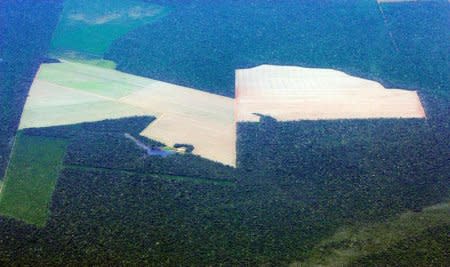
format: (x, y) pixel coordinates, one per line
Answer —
(150, 150)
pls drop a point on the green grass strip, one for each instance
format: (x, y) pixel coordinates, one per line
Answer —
(31, 178)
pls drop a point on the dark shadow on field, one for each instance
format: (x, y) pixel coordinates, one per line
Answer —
(356, 169)
(104, 145)
(296, 184)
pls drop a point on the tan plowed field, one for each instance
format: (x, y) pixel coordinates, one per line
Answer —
(295, 93)
(70, 93)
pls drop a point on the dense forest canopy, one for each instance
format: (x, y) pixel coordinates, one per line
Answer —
(300, 188)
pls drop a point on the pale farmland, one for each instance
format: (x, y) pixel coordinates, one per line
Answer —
(294, 93)
(70, 93)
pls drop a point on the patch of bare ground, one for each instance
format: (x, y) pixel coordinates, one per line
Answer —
(294, 93)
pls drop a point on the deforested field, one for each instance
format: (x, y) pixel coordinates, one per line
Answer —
(290, 93)
(70, 93)
(352, 192)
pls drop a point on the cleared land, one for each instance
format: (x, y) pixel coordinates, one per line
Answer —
(69, 93)
(31, 178)
(295, 93)
(189, 116)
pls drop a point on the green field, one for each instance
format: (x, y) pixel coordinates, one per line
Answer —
(353, 243)
(93, 61)
(31, 178)
(92, 79)
(91, 26)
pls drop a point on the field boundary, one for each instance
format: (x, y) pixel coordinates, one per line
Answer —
(155, 175)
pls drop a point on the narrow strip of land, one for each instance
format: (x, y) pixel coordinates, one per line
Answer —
(31, 178)
(214, 181)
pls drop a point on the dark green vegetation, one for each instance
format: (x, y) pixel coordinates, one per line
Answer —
(103, 146)
(376, 166)
(31, 178)
(25, 31)
(201, 44)
(113, 205)
(406, 234)
(422, 53)
(429, 248)
(298, 184)
(90, 26)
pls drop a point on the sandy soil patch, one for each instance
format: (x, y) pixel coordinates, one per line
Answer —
(295, 93)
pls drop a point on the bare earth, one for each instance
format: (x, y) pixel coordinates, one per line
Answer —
(70, 93)
(295, 93)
